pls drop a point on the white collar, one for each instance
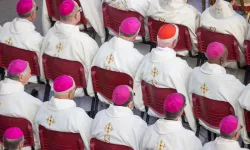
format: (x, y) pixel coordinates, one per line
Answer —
(221, 10)
(159, 54)
(212, 69)
(121, 44)
(163, 126)
(63, 30)
(8, 86)
(225, 144)
(56, 104)
(23, 20)
(118, 111)
(172, 4)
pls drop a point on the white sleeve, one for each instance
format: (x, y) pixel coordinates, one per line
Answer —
(45, 19)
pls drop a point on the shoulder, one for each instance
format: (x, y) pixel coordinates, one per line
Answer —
(193, 9)
(7, 25)
(136, 119)
(208, 146)
(31, 99)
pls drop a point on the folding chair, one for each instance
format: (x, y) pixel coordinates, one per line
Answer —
(247, 59)
(23, 124)
(206, 37)
(184, 41)
(96, 144)
(247, 122)
(105, 81)
(210, 112)
(55, 140)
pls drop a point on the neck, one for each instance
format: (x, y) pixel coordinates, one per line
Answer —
(212, 61)
(126, 38)
(62, 97)
(69, 22)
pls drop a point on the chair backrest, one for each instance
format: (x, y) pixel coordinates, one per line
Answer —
(247, 119)
(10, 53)
(113, 17)
(206, 36)
(54, 140)
(184, 42)
(247, 51)
(210, 111)
(154, 97)
(54, 67)
(53, 5)
(96, 144)
(1, 54)
(23, 124)
(105, 81)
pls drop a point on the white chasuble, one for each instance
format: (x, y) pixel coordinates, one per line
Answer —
(67, 42)
(118, 125)
(92, 10)
(223, 144)
(177, 12)
(116, 55)
(15, 102)
(169, 135)
(211, 81)
(223, 19)
(163, 69)
(63, 115)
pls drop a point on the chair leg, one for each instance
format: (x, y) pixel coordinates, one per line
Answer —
(32, 148)
(147, 118)
(96, 104)
(198, 128)
(246, 75)
(142, 114)
(198, 60)
(215, 135)
(92, 111)
(106, 34)
(2, 72)
(47, 92)
(209, 135)
(94, 35)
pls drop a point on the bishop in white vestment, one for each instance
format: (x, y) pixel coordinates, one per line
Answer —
(118, 124)
(65, 41)
(61, 113)
(229, 134)
(14, 101)
(119, 53)
(163, 69)
(92, 10)
(211, 81)
(169, 134)
(223, 19)
(177, 12)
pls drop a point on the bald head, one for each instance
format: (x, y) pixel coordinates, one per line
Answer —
(217, 53)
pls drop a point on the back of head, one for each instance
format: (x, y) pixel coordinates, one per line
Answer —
(69, 12)
(13, 139)
(64, 87)
(129, 28)
(19, 70)
(168, 36)
(230, 128)
(217, 53)
(174, 105)
(26, 9)
(123, 96)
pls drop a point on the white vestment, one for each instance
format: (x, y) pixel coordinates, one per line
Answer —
(211, 81)
(63, 115)
(92, 10)
(163, 69)
(177, 12)
(244, 98)
(118, 125)
(140, 6)
(67, 42)
(116, 55)
(223, 19)
(169, 135)
(14, 102)
(21, 33)
(222, 144)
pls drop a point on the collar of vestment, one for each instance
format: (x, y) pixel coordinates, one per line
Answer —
(172, 4)
(225, 144)
(56, 104)
(8, 86)
(221, 10)
(63, 30)
(159, 54)
(118, 111)
(121, 44)
(20, 25)
(212, 69)
(163, 126)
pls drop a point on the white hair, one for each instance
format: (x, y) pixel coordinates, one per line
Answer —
(163, 42)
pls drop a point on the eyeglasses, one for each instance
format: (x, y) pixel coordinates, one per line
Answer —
(80, 9)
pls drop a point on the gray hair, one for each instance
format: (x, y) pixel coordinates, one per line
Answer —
(12, 144)
(231, 135)
(28, 14)
(68, 17)
(16, 76)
